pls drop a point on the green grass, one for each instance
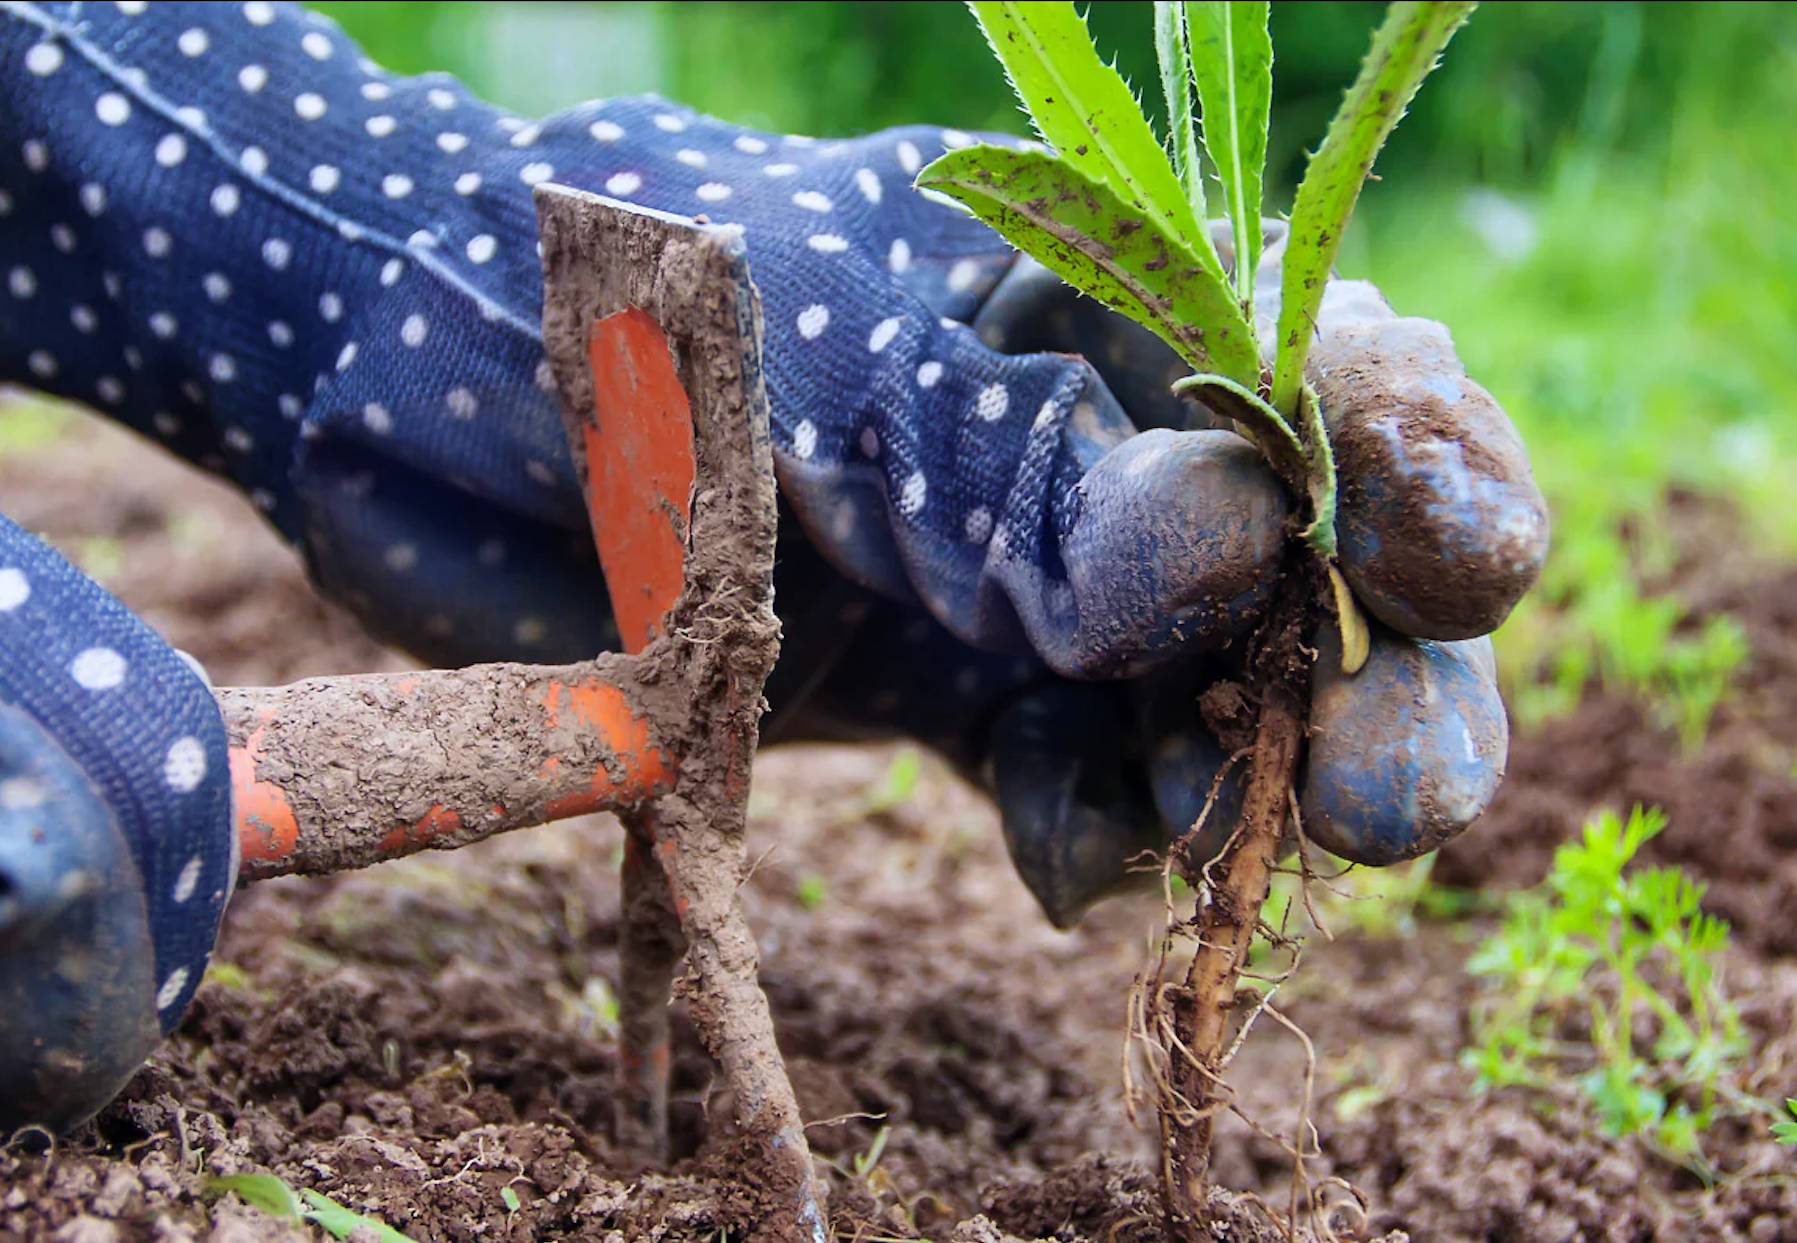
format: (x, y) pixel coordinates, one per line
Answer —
(28, 421)
(279, 1201)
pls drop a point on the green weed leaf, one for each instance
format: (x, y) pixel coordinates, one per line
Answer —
(1265, 426)
(1232, 67)
(1173, 49)
(1103, 245)
(1785, 1130)
(340, 1221)
(263, 1191)
(1087, 113)
(1406, 48)
(1610, 944)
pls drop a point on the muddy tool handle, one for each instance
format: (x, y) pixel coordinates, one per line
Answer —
(673, 455)
(653, 331)
(653, 328)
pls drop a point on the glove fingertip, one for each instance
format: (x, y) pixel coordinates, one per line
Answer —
(77, 961)
(1406, 754)
(1075, 824)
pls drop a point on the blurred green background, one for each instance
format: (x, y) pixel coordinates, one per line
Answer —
(1593, 196)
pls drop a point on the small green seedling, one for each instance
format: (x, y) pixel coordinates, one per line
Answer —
(897, 786)
(594, 1011)
(230, 975)
(277, 1199)
(1785, 1129)
(866, 1162)
(1630, 949)
(813, 890)
(31, 421)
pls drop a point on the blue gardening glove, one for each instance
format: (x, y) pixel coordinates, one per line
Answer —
(116, 847)
(225, 228)
(327, 288)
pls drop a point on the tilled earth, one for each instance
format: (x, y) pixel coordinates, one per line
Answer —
(432, 1042)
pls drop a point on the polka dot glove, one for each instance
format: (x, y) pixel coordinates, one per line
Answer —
(116, 847)
(224, 227)
(234, 233)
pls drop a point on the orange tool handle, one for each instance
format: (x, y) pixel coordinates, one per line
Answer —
(337, 773)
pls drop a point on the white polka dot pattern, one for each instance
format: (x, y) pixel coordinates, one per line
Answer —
(133, 726)
(222, 225)
(185, 765)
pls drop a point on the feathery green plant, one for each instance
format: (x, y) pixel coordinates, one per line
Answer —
(1630, 949)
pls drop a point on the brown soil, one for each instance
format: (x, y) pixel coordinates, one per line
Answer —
(422, 1038)
(1732, 806)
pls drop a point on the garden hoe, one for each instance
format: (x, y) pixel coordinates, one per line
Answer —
(653, 330)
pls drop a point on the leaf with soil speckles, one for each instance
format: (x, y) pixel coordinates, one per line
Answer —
(1083, 108)
(1080, 228)
(1232, 67)
(1405, 50)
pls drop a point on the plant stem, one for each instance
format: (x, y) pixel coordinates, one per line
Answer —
(1193, 1091)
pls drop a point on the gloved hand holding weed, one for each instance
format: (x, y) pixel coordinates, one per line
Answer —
(222, 226)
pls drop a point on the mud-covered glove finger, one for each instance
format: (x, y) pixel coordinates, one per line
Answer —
(117, 850)
(1400, 758)
(1441, 526)
(1406, 754)
(1171, 545)
(1095, 783)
